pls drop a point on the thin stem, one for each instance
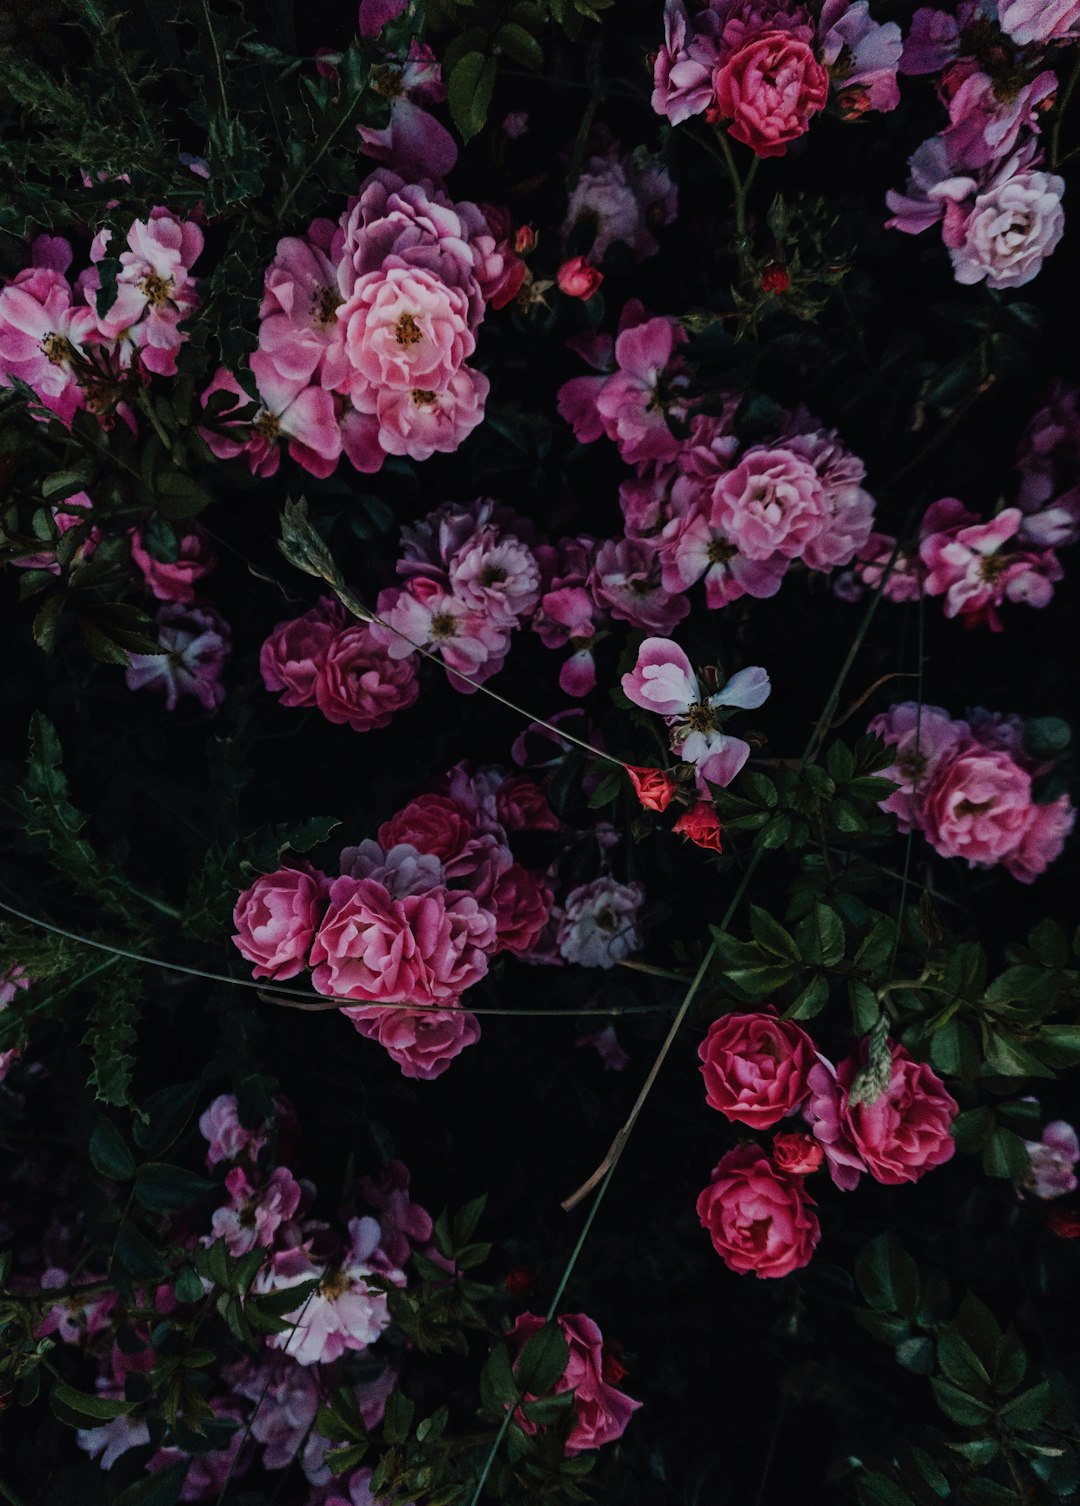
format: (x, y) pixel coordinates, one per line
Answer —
(1059, 113)
(920, 646)
(217, 60)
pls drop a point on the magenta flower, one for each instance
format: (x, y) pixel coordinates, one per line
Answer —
(292, 658)
(771, 503)
(276, 920)
(359, 684)
(647, 382)
(422, 1042)
(601, 1412)
(253, 1215)
(154, 289)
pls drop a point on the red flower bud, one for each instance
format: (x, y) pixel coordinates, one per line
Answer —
(1064, 1222)
(701, 826)
(578, 278)
(524, 240)
(797, 1154)
(655, 788)
(519, 1279)
(775, 278)
(612, 1369)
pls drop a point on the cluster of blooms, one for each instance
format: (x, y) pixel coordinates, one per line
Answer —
(53, 337)
(366, 329)
(415, 917)
(265, 1406)
(760, 1069)
(705, 507)
(978, 566)
(982, 178)
(967, 785)
(763, 68)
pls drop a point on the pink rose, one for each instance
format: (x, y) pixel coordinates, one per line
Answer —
(404, 330)
(359, 684)
(430, 823)
(174, 580)
(797, 1154)
(923, 738)
(522, 904)
(601, 1413)
(522, 805)
(292, 657)
(421, 949)
(759, 1218)
(423, 422)
(276, 920)
(768, 90)
(771, 503)
(1044, 837)
(756, 1066)
(423, 1043)
(578, 278)
(898, 1138)
(1010, 231)
(299, 328)
(979, 806)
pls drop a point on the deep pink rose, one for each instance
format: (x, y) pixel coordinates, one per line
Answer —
(421, 949)
(979, 806)
(423, 1043)
(755, 1067)
(522, 805)
(797, 1154)
(898, 1138)
(358, 683)
(276, 920)
(292, 657)
(601, 1413)
(522, 905)
(768, 90)
(430, 823)
(759, 1218)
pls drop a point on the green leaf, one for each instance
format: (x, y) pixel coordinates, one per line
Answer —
(771, 936)
(811, 1001)
(1006, 1055)
(167, 1189)
(542, 1361)
(110, 1032)
(162, 1488)
(109, 1152)
(91, 1408)
(958, 1406)
(887, 1276)
(520, 45)
(961, 1364)
(1029, 1409)
(470, 87)
(188, 1287)
(166, 1115)
(1005, 1155)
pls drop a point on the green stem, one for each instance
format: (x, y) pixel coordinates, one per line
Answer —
(1059, 113)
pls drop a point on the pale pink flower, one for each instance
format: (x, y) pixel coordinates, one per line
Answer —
(174, 580)
(423, 422)
(966, 563)
(422, 1042)
(1010, 231)
(599, 923)
(228, 1139)
(979, 807)
(112, 1439)
(1053, 1160)
(287, 1397)
(646, 384)
(154, 288)
(862, 56)
(253, 1215)
(41, 329)
(604, 201)
(695, 546)
(303, 415)
(276, 920)
(405, 330)
(849, 508)
(1029, 21)
(495, 574)
(1049, 466)
(568, 616)
(299, 328)
(193, 647)
(922, 738)
(425, 615)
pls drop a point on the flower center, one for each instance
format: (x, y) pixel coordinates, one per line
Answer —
(494, 575)
(407, 331)
(156, 290)
(57, 349)
(604, 920)
(387, 81)
(421, 398)
(721, 552)
(993, 567)
(443, 626)
(700, 718)
(333, 1284)
(267, 425)
(324, 307)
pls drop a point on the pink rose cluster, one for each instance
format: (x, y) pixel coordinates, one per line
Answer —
(764, 68)
(705, 507)
(71, 342)
(367, 327)
(601, 1412)
(968, 786)
(413, 919)
(760, 1069)
(982, 176)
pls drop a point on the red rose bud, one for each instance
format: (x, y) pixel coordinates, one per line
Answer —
(701, 826)
(1064, 1222)
(519, 1280)
(775, 279)
(655, 788)
(797, 1154)
(578, 278)
(524, 240)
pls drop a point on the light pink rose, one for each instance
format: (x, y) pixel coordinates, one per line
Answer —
(421, 949)
(406, 330)
(1053, 1160)
(1043, 839)
(359, 684)
(1010, 231)
(423, 1043)
(772, 503)
(253, 1215)
(41, 329)
(1029, 21)
(979, 807)
(759, 1218)
(292, 657)
(276, 920)
(898, 1138)
(496, 574)
(768, 90)
(601, 1413)
(755, 1067)
(695, 547)
(423, 422)
(849, 508)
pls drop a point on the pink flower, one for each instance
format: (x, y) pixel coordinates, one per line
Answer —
(861, 55)
(431, 823)
(359, 684)
(907, 574)
(695, 546)
(966, 563)
(898, 1138)
(924, 738)
(797, 1154)
(979, 807)
(930, 42)
(599, 923)
(421, 949)
(632, 402)
(402, 1223)
(1043, 839)
(1053, 1159)
(41, 330)
(682, 73)
(276, 920)
(287, 1401)
(422, 1042)
(655, 788)
(424, 422)
(174, 580)
(578, 278)
(755, 1067)
(424, 615)
(253, 1215)
(1049, 466)
(758, 1217)
(193, 645)
(626, 579)
(522, 805)
(604, 202)
(154, 289)
(522, 904)
(406, 330)
(849, 508)
(606, 1043)
(228, 1138)
(292, 657)
(1029, 21)
(771, 503)
(601, 1413)
(304, 415)
(299, 328)
(1011, 230)
(496, 574)
(986, 127)
(345, 1312)
(768, 90)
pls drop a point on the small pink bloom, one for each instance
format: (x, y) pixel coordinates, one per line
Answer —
(293, 656)
(423, 422)
(1011, 229)
(647, 383)
(601, 1413)
(797, 1154)
(1043, 839)
(522, 805)
(626, 579)
(41, 330)
(1053, 1160)
(174, 580)
(755, 1067)
(228, 1138)
(924, 738)
(497, 575)
(359, 684)
(772, 503)
(422, 1042)
(276, 920)
(862, 56)
(254, 1214)
(1027, 21)
(155, 291)
(758, 1217)
(578, 278)
(402, 1223)
(424, 615)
